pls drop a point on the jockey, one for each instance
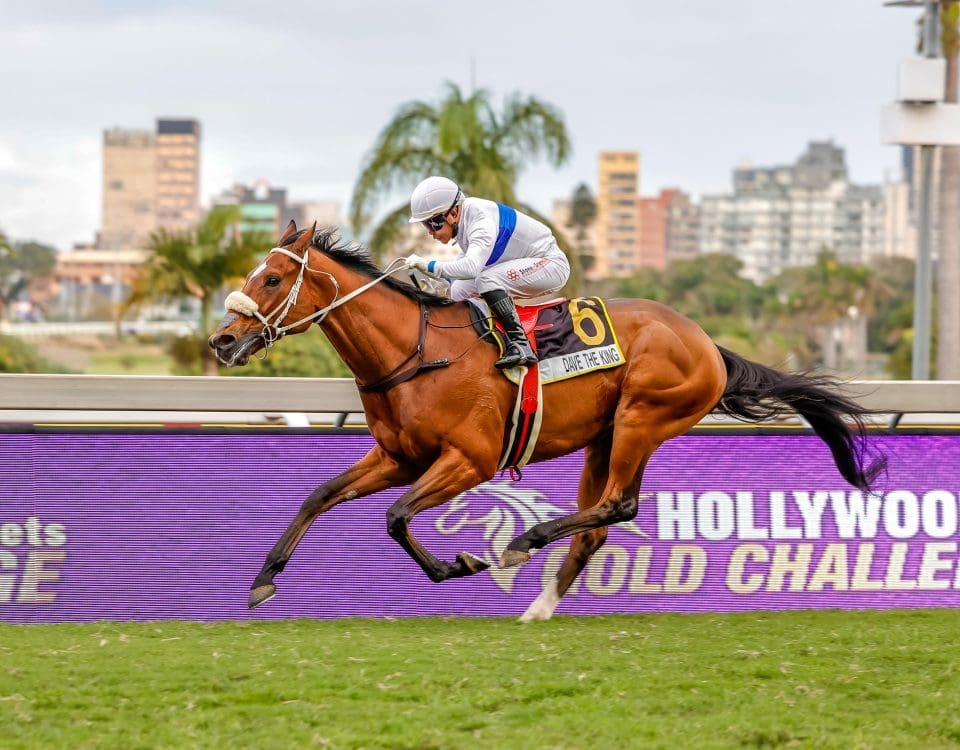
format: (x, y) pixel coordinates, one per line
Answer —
(503, 254)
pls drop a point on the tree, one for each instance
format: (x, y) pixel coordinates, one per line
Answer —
(198, 263)
(709, 289)
(948, 269)
(818, 300)
(20, 263)
(16, 355)
(9, 276)
(892, 318)
(583, 212)
(465, 139)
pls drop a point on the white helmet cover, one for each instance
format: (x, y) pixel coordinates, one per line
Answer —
(433, 196)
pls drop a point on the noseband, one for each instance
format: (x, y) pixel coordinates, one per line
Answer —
(273, 330)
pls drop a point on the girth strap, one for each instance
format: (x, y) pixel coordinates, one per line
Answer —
(398, 375)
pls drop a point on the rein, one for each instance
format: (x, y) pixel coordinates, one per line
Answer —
(273, 331)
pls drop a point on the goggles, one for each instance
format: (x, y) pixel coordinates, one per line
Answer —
(435, 223)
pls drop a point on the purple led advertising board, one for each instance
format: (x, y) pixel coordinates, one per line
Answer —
(159, 526)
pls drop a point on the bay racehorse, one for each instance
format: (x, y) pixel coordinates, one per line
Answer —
(436, 406)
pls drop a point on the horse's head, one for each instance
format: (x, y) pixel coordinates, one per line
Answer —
(272, 302)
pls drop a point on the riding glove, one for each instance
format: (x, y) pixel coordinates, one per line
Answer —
(422, 264)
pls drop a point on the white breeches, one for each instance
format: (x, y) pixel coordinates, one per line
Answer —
(523, 278)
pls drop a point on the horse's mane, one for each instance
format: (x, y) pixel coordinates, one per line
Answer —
(357, 258)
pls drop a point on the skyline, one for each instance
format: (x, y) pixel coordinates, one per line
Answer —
(299, 96)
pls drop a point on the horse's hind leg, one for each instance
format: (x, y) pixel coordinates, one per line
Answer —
(374, 472)
(583, 545)
(632, 448)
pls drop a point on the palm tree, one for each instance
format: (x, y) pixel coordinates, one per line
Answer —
(462, 138)
(198, 263)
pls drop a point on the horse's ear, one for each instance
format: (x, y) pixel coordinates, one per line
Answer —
(288, 232)
(305, 240)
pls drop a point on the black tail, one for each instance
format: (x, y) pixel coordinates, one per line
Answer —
(755, 393)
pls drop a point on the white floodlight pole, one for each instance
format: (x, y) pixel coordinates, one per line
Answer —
(921, 118)
(923, 276)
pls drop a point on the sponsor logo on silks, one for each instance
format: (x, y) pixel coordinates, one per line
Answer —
(513, 511)
(31, 555)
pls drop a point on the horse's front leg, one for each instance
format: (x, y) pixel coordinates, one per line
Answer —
(374, 472)
(450, 475)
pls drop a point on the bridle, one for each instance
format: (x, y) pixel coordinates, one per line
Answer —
(273, 328)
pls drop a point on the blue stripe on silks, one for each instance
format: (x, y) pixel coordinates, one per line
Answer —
(508, 222)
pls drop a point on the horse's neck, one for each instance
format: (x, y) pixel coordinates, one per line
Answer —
(374, 331)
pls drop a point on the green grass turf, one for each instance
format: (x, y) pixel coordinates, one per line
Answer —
(792, 679)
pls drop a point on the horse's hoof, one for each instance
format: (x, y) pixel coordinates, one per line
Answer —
(261, 594)
(529, 616)
(511, 558)
(472, 563)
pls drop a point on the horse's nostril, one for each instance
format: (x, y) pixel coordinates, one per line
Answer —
(219, 340)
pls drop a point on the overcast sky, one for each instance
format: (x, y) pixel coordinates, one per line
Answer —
(296, 92)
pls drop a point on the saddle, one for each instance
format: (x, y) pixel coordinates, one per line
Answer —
(570, 337)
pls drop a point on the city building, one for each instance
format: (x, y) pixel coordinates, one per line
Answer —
(151, 180)
(129, 188)
(618, 221)
(90, 283)
(327, 214)
(681, 227)
(784, 216)
(262, 208)
(265, 208)
(652, 243)
(899, 224)
(178, 174)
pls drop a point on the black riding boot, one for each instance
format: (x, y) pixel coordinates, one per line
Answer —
(519, 353)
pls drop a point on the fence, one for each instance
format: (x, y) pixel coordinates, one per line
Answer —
(301, 401)
(145, 524)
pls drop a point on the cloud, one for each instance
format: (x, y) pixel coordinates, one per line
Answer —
(298, 94)
(52, 195)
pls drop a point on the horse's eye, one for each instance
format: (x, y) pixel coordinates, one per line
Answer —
(273, 280)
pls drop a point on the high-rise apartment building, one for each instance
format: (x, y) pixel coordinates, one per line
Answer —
(784, 216)
(151, 180)
(129, 188)
(652, 245)
(669, 229)
(682, 226)
(178, 173)
(618, 219)
(899, 227)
